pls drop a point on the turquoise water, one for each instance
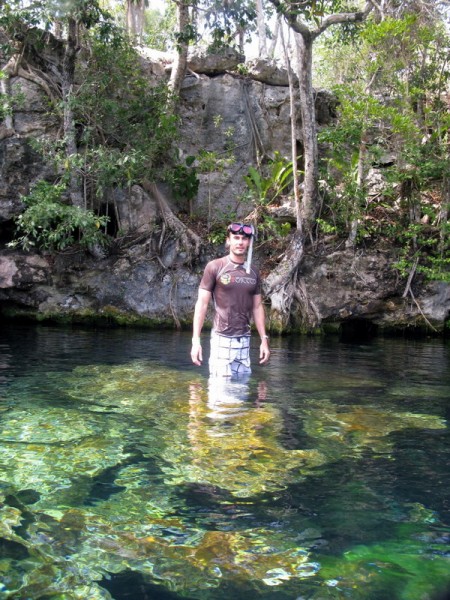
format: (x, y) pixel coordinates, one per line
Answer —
(125, 473)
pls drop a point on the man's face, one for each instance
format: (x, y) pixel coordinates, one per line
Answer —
(238, 244)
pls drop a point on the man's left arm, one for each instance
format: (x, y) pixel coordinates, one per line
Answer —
(259, 318)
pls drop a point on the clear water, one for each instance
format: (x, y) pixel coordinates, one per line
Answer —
(126, 474)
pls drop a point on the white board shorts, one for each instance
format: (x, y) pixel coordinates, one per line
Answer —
(229, 355)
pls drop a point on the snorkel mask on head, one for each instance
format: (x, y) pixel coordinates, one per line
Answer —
(241, 229)
(249, 231)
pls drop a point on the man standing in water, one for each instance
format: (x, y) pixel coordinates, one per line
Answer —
(235, 287)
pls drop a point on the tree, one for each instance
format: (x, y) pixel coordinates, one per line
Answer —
(71, 19)
(261, 23)
(308, 21)
(159, 27)
(392, 102)
(305, 35)
(185, 33)
(229, 22)
(68, 71)
(136, 19)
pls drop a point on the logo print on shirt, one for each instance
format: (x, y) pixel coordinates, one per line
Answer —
(225, 279)
(246, 280)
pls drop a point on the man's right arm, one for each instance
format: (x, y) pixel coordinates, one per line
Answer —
(201, 307)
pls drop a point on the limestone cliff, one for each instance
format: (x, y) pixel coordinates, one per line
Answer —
(142, 283)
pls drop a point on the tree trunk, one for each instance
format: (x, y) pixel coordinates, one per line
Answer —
(273, 44)
(70, 53)
(261, 24)
(180, 63)
(293, 118)
(279, 284)
(309, 209)
(135, 19)
(443, 214)
(58, 29)
(360, 182)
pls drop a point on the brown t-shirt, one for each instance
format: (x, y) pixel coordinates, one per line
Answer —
(233, 290)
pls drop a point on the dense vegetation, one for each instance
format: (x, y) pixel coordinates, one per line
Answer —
(389, 70)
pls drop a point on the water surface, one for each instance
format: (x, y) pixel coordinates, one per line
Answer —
(125, 473)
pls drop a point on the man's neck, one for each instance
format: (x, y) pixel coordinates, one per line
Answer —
(239, 260)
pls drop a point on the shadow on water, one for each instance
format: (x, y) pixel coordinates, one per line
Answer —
(126, 473)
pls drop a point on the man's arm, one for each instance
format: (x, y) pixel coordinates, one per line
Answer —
(259, 318)
(201, 306)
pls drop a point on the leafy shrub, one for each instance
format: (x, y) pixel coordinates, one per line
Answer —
(49, 224)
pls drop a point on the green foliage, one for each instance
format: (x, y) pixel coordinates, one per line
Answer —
(19, 17)
(118, 107)
(209, 161)
(271, 230)
(285, 229)
(218, 231)
(242, 69)
(267, 188)
(326, 227)
(158, 27)
(391, 103)
(16, 19)
(6, 108)
(226, 20)
(189, 34)
(217, 236)
(49, 224)
(425, 249)
(184, 180)
(125, 133)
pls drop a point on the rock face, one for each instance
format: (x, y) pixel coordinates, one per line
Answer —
(268, 71)
(364, 288)
(236, 119)
(20, 165)
(22, 271)
(209, 63)
(347, 290)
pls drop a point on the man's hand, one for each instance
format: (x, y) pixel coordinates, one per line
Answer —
(264, 352)
(196, 352)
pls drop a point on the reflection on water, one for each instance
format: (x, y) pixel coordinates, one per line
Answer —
(126, 473)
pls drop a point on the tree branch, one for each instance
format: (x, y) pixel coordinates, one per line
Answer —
(355, 17)
(302, 28)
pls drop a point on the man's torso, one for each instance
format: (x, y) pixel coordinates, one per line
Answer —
(233, 291)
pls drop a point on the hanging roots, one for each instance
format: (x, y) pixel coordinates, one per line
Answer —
(310, 316)
(187, 240)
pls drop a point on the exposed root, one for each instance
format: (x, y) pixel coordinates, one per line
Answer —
(287, 268)
(18, 67)
(187, 240)
(39, 79)
(309, 311)
(256, 141)
(284, 288)
(281, 303)
(421, 311)
(408, 292)
(410, 278)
